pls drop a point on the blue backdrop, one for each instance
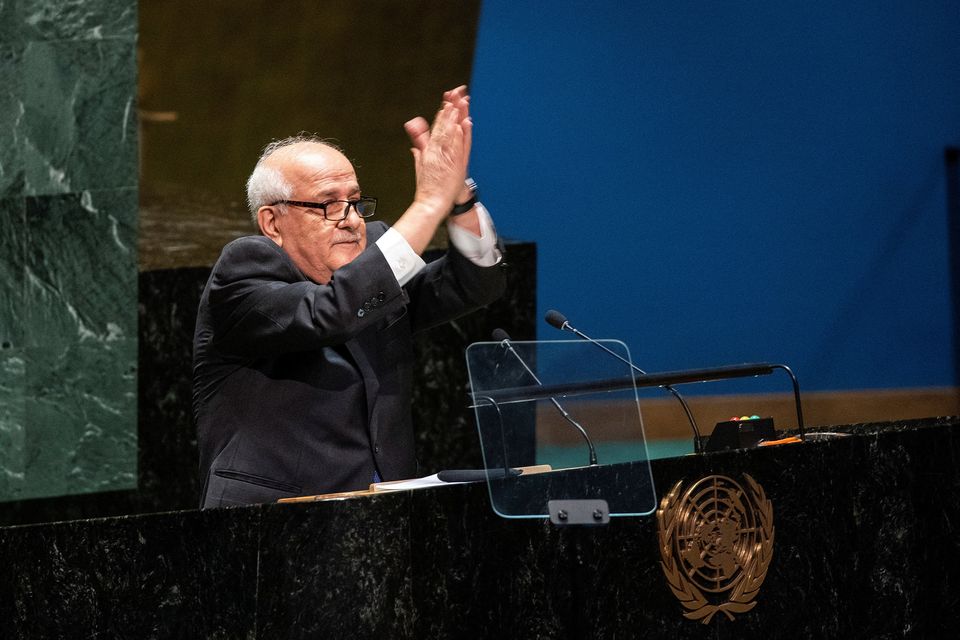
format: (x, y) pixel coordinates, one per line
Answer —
(719, 182)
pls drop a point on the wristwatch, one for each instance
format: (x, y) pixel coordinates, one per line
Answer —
(466, 206)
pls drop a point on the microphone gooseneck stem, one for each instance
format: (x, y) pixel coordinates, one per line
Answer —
(697, 446)
(503, 437)
(796, 397)
(563, 412)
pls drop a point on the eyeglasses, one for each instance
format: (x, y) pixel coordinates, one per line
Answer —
(337, 210)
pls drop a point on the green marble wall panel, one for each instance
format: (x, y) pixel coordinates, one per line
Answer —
(12, 362)
(12, 254)
(68, 263)
(12, 422)
(80, 268)
(73, 19)
(80, 405)
(78, 129)
(11, 113)
(10, 30)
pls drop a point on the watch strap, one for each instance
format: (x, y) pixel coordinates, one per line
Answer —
(469, 204)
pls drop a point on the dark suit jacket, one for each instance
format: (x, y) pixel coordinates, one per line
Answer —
(302, 388)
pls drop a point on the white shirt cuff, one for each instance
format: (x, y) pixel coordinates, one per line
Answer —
(481, 251)
(403, 260)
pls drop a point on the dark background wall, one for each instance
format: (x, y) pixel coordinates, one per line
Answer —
(219, 79)
(734, 181)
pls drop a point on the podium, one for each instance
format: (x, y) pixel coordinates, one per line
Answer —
(865, 546)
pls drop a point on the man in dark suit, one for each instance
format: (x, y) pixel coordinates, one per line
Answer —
(303, 350)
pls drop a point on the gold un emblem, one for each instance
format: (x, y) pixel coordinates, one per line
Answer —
(716, 542)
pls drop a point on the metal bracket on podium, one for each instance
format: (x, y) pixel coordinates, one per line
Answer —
(564, 512)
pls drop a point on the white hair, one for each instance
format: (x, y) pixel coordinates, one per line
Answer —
(267, 185)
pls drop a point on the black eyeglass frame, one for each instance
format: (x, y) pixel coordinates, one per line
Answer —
(322, 206)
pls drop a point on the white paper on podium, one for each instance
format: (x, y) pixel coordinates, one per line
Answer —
(471, 475)
(416, 483)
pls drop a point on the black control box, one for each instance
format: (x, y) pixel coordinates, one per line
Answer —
(741, 433)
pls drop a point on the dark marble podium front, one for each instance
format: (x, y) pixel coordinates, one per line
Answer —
(866, 547)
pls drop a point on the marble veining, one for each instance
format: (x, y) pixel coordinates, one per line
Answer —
(81, 267)
(77, 129)
(68, 19)
(12, 253)
(68, 266)
(11, 115)
(12, 421)
(303, 598)
(87, 566)
(78, 435)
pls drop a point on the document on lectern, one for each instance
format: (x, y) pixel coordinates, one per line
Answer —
(455, 476)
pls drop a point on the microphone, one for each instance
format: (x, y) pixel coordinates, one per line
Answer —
(556, 319)
(499, 335)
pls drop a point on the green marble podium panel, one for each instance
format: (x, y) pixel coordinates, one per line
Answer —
(68, 259)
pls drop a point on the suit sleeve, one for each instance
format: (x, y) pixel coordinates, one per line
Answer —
(260, 304)
(451, 287)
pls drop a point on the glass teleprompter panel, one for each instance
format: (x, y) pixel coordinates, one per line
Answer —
(559, 421)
